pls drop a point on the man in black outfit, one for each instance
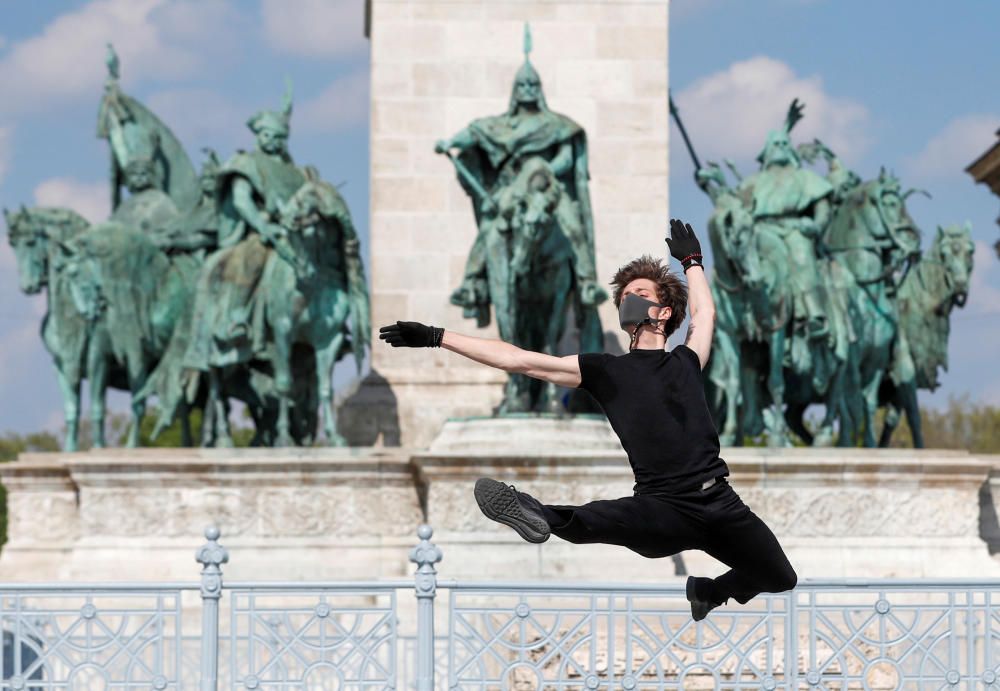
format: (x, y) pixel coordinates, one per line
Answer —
(655, 401)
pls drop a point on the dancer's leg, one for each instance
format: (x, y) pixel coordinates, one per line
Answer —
(741, 540)
(650, 526)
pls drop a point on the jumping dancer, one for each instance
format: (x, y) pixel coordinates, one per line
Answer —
(655, 401)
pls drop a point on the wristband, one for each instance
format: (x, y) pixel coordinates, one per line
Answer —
(437, 334)
(691, 260)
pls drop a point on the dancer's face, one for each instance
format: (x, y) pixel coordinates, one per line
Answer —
(646, 289)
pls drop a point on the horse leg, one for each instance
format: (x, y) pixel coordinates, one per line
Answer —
(97, 374)
(222, 436)
(186, 438)
(794, 419)
(892, 414)
(283, 381)
(208, 412)
(136, 378)
(549, 400)
(908, 397)
(69, 385)
(324, 379)
(870, 406)
(834, 395)
(774, 420)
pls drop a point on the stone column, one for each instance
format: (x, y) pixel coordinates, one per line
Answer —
(435, 66)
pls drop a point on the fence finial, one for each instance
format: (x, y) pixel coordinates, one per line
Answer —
(425, 555)
(211, 556)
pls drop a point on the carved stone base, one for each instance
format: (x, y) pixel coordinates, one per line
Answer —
(316, 514)
(137, 514)
(837, 512)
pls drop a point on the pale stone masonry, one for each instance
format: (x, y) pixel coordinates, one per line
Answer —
(321, 514)
(435, 66)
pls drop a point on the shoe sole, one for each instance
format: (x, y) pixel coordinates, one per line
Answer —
(498, 502)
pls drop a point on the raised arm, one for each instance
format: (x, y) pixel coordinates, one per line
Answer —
(686, 249)
(562, 371)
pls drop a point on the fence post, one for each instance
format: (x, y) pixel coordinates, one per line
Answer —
(425, 555)
(210, 555)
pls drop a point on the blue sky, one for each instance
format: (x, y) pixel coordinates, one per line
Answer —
(909, 85)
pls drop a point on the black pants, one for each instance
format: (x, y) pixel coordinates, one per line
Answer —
(714, 520)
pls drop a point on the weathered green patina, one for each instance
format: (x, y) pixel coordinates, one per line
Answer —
(823, 296)
(533, 258)
(244, 281)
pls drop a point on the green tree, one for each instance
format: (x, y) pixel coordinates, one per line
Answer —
(11, 445)
(962, 424)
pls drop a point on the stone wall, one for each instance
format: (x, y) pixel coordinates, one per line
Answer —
(437, 65)
(318, 514)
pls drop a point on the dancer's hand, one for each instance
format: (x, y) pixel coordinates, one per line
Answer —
(411, 335)
(684, 246)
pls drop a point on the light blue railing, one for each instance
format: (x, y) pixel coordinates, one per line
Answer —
(833, 634)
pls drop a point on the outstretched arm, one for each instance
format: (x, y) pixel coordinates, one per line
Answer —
(686, 249)
(701, 307)
(563, 371)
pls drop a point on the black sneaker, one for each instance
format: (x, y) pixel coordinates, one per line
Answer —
(701, 604)
(504, 504)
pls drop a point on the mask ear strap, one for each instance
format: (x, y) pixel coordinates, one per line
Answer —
(635, 333)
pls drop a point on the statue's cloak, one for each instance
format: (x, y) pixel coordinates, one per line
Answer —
(228, 283)
(785, 191)
(502, 139)
(274, 181)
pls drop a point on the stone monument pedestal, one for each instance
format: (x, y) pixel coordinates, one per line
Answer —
(285, 514)
(860, 513)
(329, 514)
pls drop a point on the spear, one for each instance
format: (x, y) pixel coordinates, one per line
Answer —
(687, 142)
(477, 187)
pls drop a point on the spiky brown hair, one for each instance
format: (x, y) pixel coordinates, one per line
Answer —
(670, 290)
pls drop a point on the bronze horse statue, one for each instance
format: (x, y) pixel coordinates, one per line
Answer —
(43, 242)
(938, 283)
(530, 273)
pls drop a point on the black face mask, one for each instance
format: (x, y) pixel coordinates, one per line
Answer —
(634, 311)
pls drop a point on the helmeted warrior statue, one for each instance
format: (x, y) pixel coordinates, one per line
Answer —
(251, 186)
(147, 207)
(146, 158)
(794, 203)
(493, 151)
(533, 257)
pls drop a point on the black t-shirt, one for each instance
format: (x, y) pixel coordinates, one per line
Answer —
(655, 401)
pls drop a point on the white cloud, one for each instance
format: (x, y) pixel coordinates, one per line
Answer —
(5, 151)
(92, 200)
(315, 28)
(202, 117)
(341, 105)
(958, 144)
(153, 39)
(729, 113)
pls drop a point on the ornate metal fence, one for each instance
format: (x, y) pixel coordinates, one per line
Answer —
(498, 636)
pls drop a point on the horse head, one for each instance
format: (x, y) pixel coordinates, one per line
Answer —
(527, 208)
(953, 249)
(314, 219)
(732, 226)
(28, 237)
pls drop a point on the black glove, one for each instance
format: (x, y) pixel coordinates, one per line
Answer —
(411, 335)
(684, 246)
